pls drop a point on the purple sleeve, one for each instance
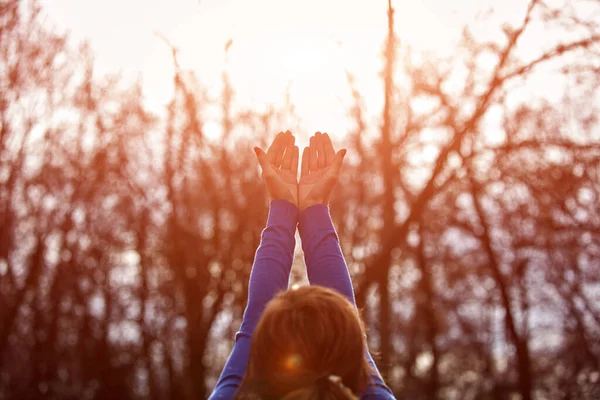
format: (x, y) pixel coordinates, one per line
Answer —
(270, 275)
(325, 266)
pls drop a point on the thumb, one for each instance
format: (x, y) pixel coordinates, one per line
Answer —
(338, 161)
(262, 158)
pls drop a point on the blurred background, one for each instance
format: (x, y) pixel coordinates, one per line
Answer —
(131, 204)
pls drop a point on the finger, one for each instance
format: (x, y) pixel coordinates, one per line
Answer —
(279, 143)
(305, 162)
(285, 141)
(263, 159)
(329, 152)
(294, 166)
(338, 161)
(322, 161)
(289, 153)
(274, 148)
(314, 162)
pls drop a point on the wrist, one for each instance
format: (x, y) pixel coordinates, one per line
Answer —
(279, 202)
(285, 198)
(284, 195)
(306, 204)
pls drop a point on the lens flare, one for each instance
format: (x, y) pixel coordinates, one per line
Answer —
(293, 362)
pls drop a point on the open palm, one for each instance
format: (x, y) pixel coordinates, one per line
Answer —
(280, 167)
(320, 171)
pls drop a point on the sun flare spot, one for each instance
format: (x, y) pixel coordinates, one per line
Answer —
(293, 362)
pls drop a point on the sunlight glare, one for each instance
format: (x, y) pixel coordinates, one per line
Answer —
(304, 47)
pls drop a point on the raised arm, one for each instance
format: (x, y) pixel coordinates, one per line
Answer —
(325, 262)
(273, 261)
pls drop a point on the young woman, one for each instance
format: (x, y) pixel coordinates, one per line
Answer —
(305, 343)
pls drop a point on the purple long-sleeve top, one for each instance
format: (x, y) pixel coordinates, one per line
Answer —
(270, 274)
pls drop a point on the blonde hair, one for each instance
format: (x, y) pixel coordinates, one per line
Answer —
(309, 344)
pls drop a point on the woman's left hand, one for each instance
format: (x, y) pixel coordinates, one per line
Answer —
(280, 167)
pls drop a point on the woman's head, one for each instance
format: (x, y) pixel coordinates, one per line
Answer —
(309, 344)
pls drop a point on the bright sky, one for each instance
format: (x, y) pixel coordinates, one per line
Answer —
(276, 44)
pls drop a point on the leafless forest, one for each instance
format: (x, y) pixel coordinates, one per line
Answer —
(126, 238)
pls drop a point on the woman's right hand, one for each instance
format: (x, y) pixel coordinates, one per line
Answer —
(321, 167)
